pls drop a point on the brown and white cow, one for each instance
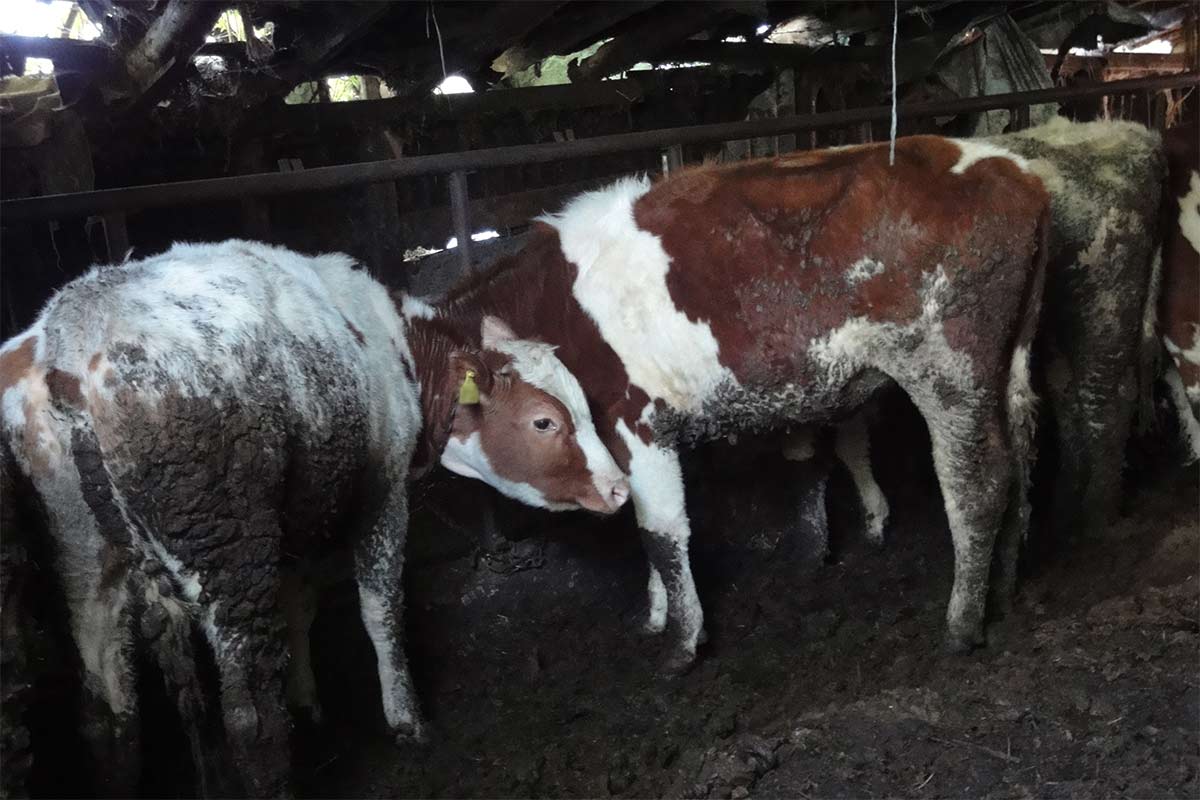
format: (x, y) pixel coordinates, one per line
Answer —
(200, 423)
(1097, 339)
(773, 292)
(1179, 307)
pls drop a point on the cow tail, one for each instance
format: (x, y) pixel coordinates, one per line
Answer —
(1020, 400)
(1150, 363)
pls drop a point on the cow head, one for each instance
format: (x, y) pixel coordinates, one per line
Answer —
(523, 426)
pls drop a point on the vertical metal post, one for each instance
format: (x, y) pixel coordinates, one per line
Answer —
(116, 236)
(1018, 118)
(459, 215)
(674, 158)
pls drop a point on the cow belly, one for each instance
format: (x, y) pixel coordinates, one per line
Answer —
(758, 408)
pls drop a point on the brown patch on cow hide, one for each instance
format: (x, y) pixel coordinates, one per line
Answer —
(557, 466)
(357, 333)
(788, 232)
(16, 363)
(64, 388)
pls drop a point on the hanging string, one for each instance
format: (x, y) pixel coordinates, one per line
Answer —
(895, 28)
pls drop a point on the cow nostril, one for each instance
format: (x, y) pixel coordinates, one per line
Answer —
(620, 492)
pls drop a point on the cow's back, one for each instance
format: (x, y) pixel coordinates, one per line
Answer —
(217, 382)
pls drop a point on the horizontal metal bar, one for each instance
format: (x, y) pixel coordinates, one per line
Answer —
(324, 178)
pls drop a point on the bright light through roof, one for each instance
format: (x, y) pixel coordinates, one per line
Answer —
(31, 18)
(455, 84)
(1160, 46)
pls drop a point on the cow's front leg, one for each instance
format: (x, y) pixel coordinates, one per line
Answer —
(379, 567)
(656, 483)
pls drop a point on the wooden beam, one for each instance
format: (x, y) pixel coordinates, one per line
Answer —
(67, 54)
(1127, 63)
(359, 113)
(165, 51)
(656, 31)
(576, 26)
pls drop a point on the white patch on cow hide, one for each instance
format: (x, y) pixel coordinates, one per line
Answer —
(1184, 403)
(863, 270)
(191, 322)
(972, 150)
(656, 617)
(919, 348)
(414, 307)
(1189, 212)
(466, 457)
(1191, 354)
(621, 283)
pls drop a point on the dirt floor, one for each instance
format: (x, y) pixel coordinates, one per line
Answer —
(821, 677)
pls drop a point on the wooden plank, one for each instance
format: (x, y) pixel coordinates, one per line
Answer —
(577, 25)
(67, 54)
(197, 192)
(310, 116)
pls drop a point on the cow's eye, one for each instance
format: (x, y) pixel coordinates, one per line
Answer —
(544, 424)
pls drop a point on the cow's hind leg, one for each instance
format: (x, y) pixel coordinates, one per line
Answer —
(247, 633)
(973, 467)
(93, 564)
(379, 567)
(298, 599)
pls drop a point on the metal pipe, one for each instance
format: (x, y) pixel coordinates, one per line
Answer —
(323, 178)
(459, 214)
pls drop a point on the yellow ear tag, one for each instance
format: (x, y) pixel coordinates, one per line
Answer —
(468, 393)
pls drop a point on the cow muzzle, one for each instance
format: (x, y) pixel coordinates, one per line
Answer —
(607, 496)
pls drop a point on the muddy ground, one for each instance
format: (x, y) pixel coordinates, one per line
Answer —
(821, 678)
(823, 675)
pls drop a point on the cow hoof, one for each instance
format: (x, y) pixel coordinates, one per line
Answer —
(409, 734)
(649, 629)
(679, 663)
(307, 716)
(961, 644)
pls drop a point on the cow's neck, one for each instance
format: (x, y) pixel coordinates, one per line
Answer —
(431, 342)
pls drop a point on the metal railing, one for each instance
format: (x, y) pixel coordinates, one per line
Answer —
(113, 203)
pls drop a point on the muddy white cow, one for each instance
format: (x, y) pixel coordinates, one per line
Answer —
(1179, 308)
(773, 292)
(1097, 341)
(198, 423)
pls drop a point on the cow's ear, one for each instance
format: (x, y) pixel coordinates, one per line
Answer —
(494, 331)
(470, 380)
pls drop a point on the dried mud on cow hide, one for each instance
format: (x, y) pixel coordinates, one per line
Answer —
(823, 677)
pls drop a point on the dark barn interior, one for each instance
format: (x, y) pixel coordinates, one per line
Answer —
(422, 138)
